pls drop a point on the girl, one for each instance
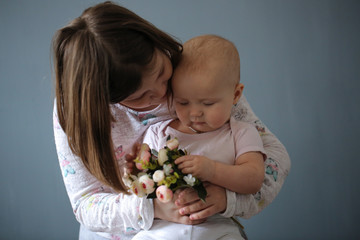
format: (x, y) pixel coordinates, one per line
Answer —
(112, 70)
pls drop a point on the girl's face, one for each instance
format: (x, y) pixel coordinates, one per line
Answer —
(154, 84)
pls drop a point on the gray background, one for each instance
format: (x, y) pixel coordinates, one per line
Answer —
(301, 69)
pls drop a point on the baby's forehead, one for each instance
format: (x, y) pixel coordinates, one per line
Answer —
(210, 69)
(202, 79)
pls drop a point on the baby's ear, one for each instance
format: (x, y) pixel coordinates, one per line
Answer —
(238, 92)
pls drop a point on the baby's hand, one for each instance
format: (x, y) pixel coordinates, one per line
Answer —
(199, 166)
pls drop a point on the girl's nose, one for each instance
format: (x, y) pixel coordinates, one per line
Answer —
(160, 91)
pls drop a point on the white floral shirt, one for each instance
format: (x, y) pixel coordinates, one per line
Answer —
(112, 215)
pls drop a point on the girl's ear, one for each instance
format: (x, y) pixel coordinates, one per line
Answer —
(238, 92)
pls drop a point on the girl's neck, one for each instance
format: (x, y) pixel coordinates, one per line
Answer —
(144, 109)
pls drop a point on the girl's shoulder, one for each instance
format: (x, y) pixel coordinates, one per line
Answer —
(239, 124)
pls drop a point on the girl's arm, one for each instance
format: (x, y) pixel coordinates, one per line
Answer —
(96, 206)
(277, 167)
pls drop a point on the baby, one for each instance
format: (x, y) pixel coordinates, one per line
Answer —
(222, 151)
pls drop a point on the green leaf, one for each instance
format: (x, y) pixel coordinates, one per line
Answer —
(152, 195)
(154, 152)
(201, 190)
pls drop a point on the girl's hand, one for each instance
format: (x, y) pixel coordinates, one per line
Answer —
(199, 166)
(189, 203)
(130, 165)
(170, 212)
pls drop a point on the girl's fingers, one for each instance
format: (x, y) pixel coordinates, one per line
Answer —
(203, 214)
(186, 196)
(192, 208)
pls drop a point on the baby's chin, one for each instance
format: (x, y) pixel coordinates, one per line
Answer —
(202, 127)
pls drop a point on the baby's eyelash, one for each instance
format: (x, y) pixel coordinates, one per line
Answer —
(208, 104)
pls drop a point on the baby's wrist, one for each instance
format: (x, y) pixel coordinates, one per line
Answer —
(212, 174)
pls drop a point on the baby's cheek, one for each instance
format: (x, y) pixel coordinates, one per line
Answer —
(218, 120)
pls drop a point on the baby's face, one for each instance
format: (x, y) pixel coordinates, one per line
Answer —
(203, 99)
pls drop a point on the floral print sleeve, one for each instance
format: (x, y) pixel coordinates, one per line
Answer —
(277, 166)
(95, 206)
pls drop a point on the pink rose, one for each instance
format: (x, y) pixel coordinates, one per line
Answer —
(144, 156)
(164, 194)
(172, 143)
(137, 189)
(147, 183)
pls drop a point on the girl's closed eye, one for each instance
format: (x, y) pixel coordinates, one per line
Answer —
(183, 103)
(161, 71)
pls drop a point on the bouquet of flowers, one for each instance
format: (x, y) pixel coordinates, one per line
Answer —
(158, 176)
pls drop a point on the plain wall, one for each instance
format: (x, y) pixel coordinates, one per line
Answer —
(300, 63)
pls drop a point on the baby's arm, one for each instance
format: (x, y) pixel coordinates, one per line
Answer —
(246, 176)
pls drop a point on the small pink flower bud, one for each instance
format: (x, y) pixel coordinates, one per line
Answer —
(139, 166)
(144, 156)
(172, 143)
(145, 153)
(164, 194)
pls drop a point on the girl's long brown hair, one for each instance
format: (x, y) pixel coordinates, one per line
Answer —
(99, 59)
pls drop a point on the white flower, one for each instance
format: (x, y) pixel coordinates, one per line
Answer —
(162, 156)
(128, 179)
(158, 175)
(164, 194)
(167, 169)
(189, 179)
(147, 183)
(172, 143)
